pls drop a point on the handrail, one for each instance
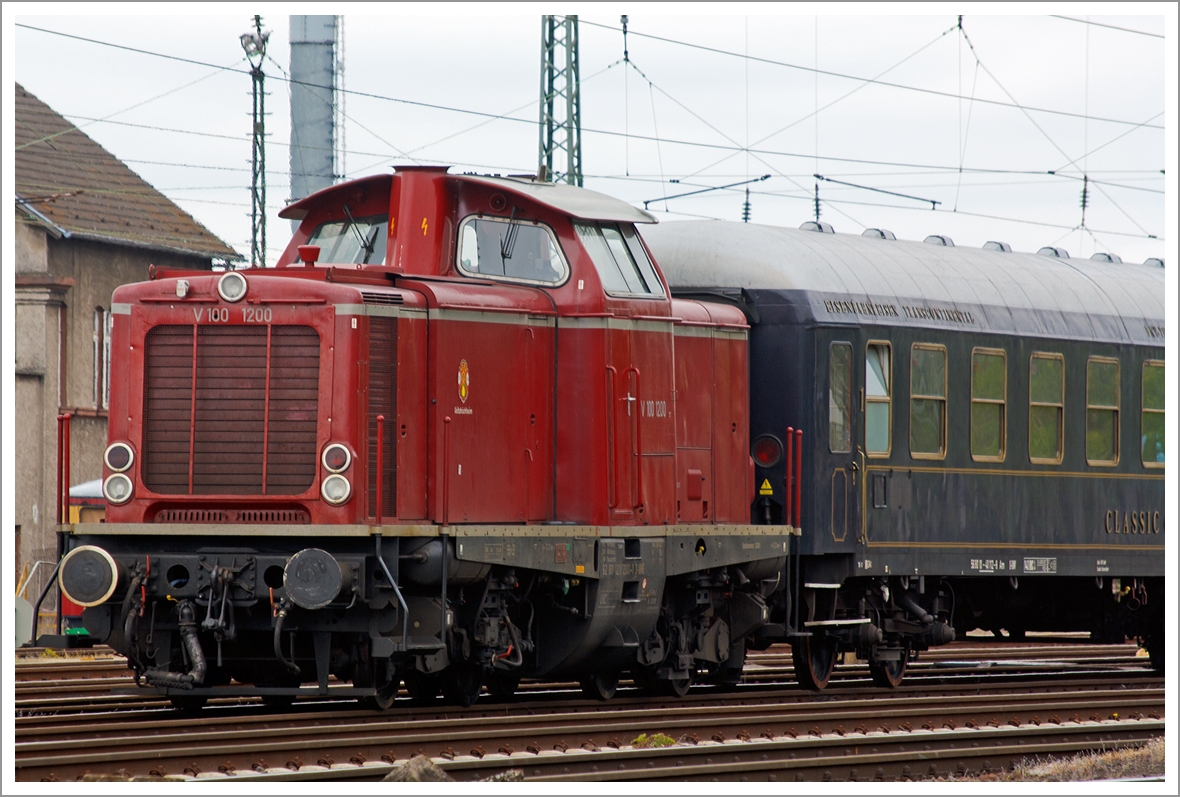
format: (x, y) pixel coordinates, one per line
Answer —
(798, 478)
(635, 449)
(63, 468)
(788, 517)
(446, 485)
(380, 464)
(396, 591)
(611, 466)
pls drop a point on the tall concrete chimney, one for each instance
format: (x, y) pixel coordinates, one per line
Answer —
(313, 110)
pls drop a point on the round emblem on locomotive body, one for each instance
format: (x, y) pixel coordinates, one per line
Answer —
(464, 381)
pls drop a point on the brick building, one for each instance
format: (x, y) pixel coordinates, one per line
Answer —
(85, 224)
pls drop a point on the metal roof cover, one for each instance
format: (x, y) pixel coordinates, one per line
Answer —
(580, 203)
(935, 286)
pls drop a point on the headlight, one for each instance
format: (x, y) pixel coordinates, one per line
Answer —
(337, 458)
(231, 286)
(767, 450)
(335, 489)
(117, 488)
(119, 457)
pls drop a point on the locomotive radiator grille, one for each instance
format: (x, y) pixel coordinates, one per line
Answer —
(231, 412)
(383, 401)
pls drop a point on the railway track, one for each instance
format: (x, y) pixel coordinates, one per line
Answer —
(103, 682)
(567, 739)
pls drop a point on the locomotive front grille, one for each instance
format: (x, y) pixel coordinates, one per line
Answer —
(231, 411)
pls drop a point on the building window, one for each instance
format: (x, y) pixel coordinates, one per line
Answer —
(928, 401)
(1152, 416)
(989, 395)
(1102, 411)
(840, 398)
(878, 399)
(102, 358)
(1046, 408)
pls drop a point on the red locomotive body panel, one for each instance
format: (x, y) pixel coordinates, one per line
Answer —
(504, 399)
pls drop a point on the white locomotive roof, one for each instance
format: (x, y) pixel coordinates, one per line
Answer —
(881, 281)
(580, 203)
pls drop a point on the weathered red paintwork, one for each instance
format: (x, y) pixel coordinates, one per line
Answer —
(625, 412)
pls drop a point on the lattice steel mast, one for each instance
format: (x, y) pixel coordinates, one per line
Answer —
(255, 46)
(561, 114)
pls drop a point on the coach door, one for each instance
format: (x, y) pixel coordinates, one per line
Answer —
(840, 477)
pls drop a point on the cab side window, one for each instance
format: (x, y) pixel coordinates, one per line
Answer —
(619, 258)
(1152, 414)
(510, 249)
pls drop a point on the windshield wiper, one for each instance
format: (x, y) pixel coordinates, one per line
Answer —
(366, 246)
(508, 243)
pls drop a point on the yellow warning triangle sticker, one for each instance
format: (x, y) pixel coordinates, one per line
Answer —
(765, 489)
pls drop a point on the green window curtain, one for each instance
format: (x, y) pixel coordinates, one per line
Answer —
(927, 401)
(988, 397)
(1046, 405)
(840, 398)
(1102, 411)
(1152, 417)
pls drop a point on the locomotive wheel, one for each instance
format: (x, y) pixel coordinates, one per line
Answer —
(461, 684)
(600, 686)
(387, 683)
(888, 674)
(677, 687)
(422, 687)
(188, 704)
(814, 659)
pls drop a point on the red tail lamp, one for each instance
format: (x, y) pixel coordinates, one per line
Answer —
(767, 451)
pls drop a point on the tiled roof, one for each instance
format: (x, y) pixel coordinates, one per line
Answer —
(71, 182)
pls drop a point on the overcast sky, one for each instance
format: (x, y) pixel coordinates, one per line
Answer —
(704, 115)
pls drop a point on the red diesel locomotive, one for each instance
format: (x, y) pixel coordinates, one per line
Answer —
(459, 435)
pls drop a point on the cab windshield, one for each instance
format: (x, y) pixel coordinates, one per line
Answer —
(351, 240)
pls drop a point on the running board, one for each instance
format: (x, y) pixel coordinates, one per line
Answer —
(835, 623)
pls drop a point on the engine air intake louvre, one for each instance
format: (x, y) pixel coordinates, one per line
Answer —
(230, 410)
(291, 516)
(383, 401)
(382, 298)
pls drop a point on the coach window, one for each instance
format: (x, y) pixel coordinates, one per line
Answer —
(989, 395)
(620, 259)
(878, 398)
(840, 398)
(927, 401)
(1046, 408)
(1152, 416)
(510, 249)
(1102, 411)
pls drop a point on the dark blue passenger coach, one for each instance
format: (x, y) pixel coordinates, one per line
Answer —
(982, 434)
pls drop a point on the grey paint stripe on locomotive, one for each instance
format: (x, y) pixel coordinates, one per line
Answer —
(418, 530)
(120, 308)
(710, 332)
(612, 322)
(384, 310)
(478, 317)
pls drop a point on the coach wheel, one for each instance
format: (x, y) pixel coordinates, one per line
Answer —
(461, 684)
(888, 674)
(422, 687)
(503, 685)
(600, 686)
(385, 682)
(278, 702)
(678, 686)
(814, 658)
(188, 704)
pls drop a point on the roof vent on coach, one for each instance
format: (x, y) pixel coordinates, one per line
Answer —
(938, 240)
(1158, 262)
(874, 232)
(817, 226)
(1053, 251)
(997, 246)
(1104, 257)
